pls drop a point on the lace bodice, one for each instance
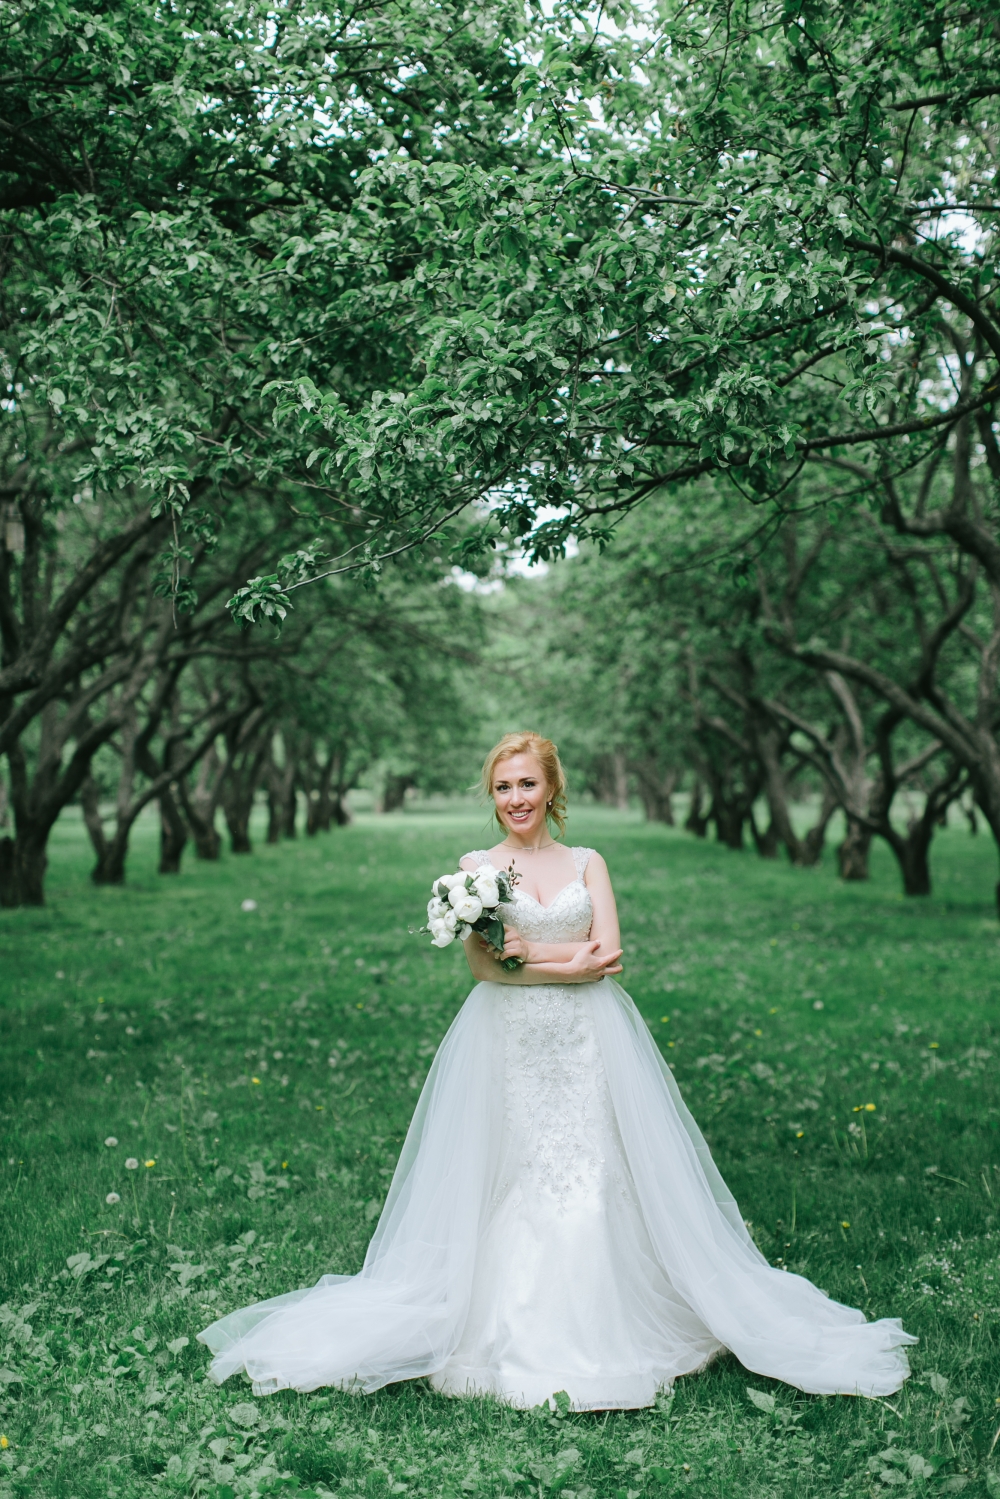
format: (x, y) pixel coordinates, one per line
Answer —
(567, 919)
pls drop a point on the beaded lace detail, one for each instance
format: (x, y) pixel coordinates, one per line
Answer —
(559, 1124)
(567, 919)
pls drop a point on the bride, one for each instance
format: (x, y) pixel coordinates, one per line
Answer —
(555, 1221)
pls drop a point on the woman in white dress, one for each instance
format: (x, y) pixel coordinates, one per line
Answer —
(555, 1221)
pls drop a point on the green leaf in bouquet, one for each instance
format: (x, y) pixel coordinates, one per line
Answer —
(495, 934)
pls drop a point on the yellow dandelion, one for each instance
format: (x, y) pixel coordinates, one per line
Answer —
(844, 1223)
(670, 1043)
(799, 1134)
(149, 1165)
(869, 1108)
(758, 1033)
(255, 1079)
(284, 1165)
(857, 1108)
(664, 1019)
(319, 1107)
(773, 1010)
(933, 1046)
(4, 1443)
(359, 1005)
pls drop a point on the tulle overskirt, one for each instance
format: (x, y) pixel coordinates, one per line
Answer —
(556, 1222)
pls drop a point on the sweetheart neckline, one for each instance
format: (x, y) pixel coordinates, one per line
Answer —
(529, 896)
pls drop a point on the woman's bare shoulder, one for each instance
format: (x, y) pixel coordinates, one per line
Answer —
(474, 860)
(596, 865)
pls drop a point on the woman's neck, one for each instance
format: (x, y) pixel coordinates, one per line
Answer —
(526, 846)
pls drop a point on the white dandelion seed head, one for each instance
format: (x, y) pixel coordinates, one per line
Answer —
(248, 905)
(110, 1141)
(131, 1164)
(112, 1198)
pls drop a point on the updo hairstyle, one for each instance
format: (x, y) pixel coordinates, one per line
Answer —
(527, 742)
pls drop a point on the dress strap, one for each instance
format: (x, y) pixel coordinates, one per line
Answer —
(581, 858)
(480, 856)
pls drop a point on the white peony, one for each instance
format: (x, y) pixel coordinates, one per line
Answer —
(466, 905)
(441, 935)
(487, 888)
(436, 908)
(448, 881)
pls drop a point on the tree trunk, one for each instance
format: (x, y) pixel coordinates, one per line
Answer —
(247, 748)
(912, 850)
(728, 821)
(986, 786)
(815, 840)
(173, 834)
(110, 869)
(393, 792)
(282, 807)
(805, 852)
(696, 822)
(237, 805)
(282, 801)
(23, 862)
(207, 841)
(766, 842)
(200, 805)
(914, 865)
(318, 808)
(656, 790)
(612, 780)
(852, 855)
(274, 818)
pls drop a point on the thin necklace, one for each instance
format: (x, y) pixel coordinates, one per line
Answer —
(526, 848)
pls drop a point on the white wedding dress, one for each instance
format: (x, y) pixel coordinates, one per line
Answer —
(556, 1223)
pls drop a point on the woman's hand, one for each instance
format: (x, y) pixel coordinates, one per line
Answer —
(590, 965)
(514, 946)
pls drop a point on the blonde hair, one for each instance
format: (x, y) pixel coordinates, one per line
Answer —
(527, 742)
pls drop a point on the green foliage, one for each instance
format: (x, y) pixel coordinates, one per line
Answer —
(268, 1061)
(729, 236)
(178, 195)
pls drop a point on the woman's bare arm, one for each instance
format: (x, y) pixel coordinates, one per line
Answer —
(586, 966)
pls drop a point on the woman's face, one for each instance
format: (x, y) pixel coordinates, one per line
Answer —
(520, 793)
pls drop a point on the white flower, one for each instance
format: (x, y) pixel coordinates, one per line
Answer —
(248, 905)
(466, 905)
(436, 908)
(487, 888)
(441, 935)
(131, 1164)
(446, 881)
(110, 1141)
(112, 1198)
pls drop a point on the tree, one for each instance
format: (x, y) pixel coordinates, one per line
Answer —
(162, 176)
(725, 247)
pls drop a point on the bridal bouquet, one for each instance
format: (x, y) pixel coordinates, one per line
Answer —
(462, 903)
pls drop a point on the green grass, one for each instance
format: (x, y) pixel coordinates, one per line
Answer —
(148, 1014)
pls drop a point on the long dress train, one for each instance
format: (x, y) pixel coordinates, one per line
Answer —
(556, 1222)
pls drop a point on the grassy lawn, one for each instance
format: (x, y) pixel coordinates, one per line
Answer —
(838, 1045)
